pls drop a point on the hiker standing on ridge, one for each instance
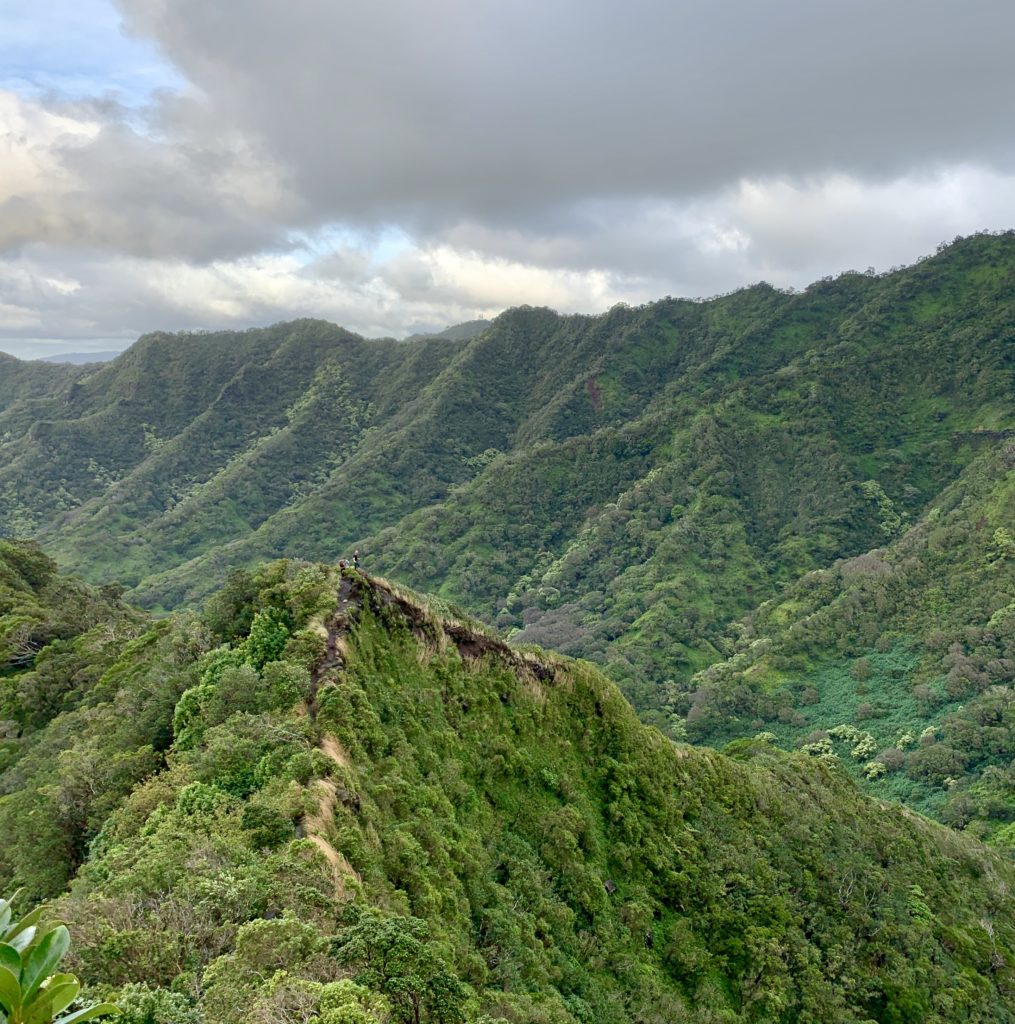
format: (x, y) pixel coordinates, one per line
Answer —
(355, 559)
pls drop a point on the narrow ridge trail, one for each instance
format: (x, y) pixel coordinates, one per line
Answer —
(336, 627)
(316, 826)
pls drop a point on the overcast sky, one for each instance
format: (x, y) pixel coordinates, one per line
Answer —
(400, 166)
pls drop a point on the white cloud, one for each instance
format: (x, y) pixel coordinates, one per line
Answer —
(784, 232)
(396, 165)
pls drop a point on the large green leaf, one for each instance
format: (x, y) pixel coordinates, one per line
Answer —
(20, 926)
(99, 1010)
(6, 905)
(54, 997)
(23, 939)
(43, 960)
(10, 958)
(10, 991)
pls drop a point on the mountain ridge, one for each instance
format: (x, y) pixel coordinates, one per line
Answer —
(669, 467)
(327, 764)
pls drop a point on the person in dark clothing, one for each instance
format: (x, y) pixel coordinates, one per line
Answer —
(355, 559)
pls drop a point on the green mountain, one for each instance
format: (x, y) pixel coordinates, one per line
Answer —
(900, 661)
(77, 358)
(330, 799)
(621, 488)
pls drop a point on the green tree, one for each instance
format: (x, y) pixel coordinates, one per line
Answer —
(394, 957)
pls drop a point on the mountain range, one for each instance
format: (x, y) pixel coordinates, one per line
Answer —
(259, 786)
(329, 798)
(769, 513)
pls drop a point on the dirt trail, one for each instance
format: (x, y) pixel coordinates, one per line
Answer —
(334, 750)
(334, 655)
(353, 591)
(316, 826)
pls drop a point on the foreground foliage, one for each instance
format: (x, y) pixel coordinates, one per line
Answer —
(346, 803)
(30, 990)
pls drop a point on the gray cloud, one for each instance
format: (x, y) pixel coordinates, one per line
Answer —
(786, 233)
(505, 113)
(572, 152)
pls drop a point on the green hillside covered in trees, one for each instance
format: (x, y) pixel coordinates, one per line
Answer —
(900, 661)
(777, 514)
(328, 798)
(620, 488)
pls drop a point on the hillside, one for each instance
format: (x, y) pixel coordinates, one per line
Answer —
(331, 796)
(900, 661)
(79, 358)
(621, 488)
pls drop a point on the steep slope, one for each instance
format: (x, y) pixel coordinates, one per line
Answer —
(58, 639)
(813, 434)
(901, 660)
(137, 439)
(22, 381)
(667, 468)
(373, 807)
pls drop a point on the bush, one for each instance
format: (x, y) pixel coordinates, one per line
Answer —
(268, 828)
(140, 1004)
(892, 758)
(269, 634)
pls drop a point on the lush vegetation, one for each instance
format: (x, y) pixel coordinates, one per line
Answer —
(899, 663)
(620, 487)
(330, 800)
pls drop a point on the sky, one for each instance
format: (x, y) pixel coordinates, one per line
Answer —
(398, 167)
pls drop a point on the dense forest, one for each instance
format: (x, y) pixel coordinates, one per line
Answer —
(770, 513)
(620, 487)
(325, 798)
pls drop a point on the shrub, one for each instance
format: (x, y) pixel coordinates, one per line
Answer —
(268, 828)
(188, 718)
(861, 670)
(269, 634)
(140, 1004)
(892, 758)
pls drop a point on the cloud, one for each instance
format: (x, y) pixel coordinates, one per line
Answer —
(80, 175)
(786, 233)
(399, 165)
(430, 113)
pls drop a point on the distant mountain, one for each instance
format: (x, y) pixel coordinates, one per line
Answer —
(459, 332)
(331, 798)
(78, 358)
(624, 488)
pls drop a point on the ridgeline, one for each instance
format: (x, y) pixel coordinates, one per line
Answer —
(769, 513)
(329, 795)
